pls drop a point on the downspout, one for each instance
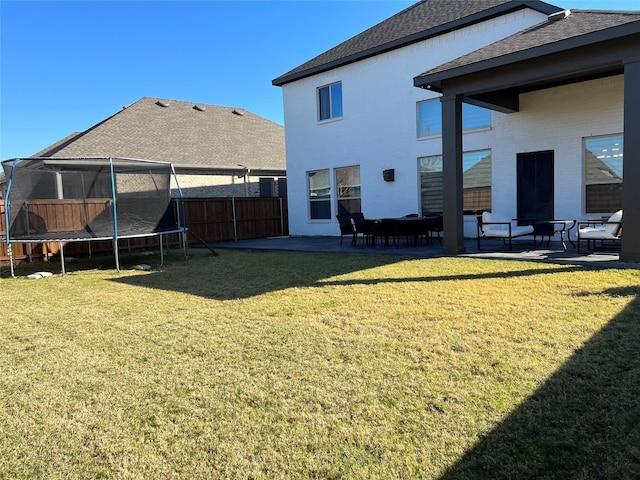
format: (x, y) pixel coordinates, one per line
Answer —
(247, 172)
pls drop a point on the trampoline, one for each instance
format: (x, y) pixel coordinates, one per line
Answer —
(64, 200)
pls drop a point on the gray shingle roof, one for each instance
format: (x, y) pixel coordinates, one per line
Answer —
(425, 19)
(180, 133)
(578, 23)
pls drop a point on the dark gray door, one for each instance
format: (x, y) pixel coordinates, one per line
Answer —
(535, 186)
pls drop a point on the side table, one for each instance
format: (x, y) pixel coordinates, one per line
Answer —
(560, 227)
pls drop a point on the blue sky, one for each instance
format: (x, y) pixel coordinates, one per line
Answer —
(65, 66)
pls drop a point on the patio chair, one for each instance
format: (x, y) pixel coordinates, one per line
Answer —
(604, 234)
(412, 228)
(494, 226)
(365, 227)
(432, 225)
(346, 227)
(388, 229)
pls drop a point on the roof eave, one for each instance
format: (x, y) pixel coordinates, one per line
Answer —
(229, 170)
(482, 16)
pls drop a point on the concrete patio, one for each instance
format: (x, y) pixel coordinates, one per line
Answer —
(522, 250)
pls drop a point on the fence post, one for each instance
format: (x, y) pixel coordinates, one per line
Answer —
(281, 218)
(235, 226)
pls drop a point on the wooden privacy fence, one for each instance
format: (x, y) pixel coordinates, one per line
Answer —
(238, 218)
(209, 219)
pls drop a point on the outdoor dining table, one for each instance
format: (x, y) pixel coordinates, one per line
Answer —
(408, 227)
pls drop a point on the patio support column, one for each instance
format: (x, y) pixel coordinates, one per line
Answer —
(453, 209)
(631, 166)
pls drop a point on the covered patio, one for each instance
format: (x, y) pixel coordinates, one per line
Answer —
(570, 48)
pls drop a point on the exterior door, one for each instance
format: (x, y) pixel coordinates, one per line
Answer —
(535, 187)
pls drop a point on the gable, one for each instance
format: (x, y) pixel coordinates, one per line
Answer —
(423, 20)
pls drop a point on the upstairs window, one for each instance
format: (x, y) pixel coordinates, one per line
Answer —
(429, 113)
(330, 101)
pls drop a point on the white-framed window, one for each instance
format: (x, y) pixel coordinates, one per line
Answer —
(429, 117)
(603, 160)
(330, 102)
(348, 190)
(476, 182)
(75, 186)
(319, 185)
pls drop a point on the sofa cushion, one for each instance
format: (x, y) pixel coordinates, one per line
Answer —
(595, 233)
(516, 231)
(488, 217)
(613, 224)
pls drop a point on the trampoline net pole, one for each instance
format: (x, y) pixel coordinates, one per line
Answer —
(61, 247)
(161, 252)
(10, 251)
(116, 254)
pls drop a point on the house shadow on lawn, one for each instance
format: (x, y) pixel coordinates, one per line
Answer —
(247, 274)
(583, 423)
(257, 273)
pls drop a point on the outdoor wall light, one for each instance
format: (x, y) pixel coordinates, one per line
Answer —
(389, 175)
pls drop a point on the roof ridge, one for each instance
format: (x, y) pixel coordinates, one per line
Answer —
(190, 102)
(604, 12)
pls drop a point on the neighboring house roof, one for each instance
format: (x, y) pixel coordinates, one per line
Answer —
(423, 20)
(479, 175)
(597, 171)
(564, 31)
(194, 137)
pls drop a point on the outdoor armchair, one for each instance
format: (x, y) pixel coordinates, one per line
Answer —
(491, 225)
(602, 233)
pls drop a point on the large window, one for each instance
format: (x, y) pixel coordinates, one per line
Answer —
(319, 195)
(603, 158)
(429, 115)
(330, 101)
(348, 189)
(476, 182)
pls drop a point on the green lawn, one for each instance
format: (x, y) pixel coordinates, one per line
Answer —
(299, 365)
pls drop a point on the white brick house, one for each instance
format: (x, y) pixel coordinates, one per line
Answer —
(355, 111)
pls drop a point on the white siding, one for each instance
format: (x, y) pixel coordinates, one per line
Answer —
(378, 129)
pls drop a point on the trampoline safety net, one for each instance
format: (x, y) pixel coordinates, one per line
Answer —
(79, 199)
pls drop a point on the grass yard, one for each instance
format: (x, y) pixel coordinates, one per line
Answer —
(272, 365)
